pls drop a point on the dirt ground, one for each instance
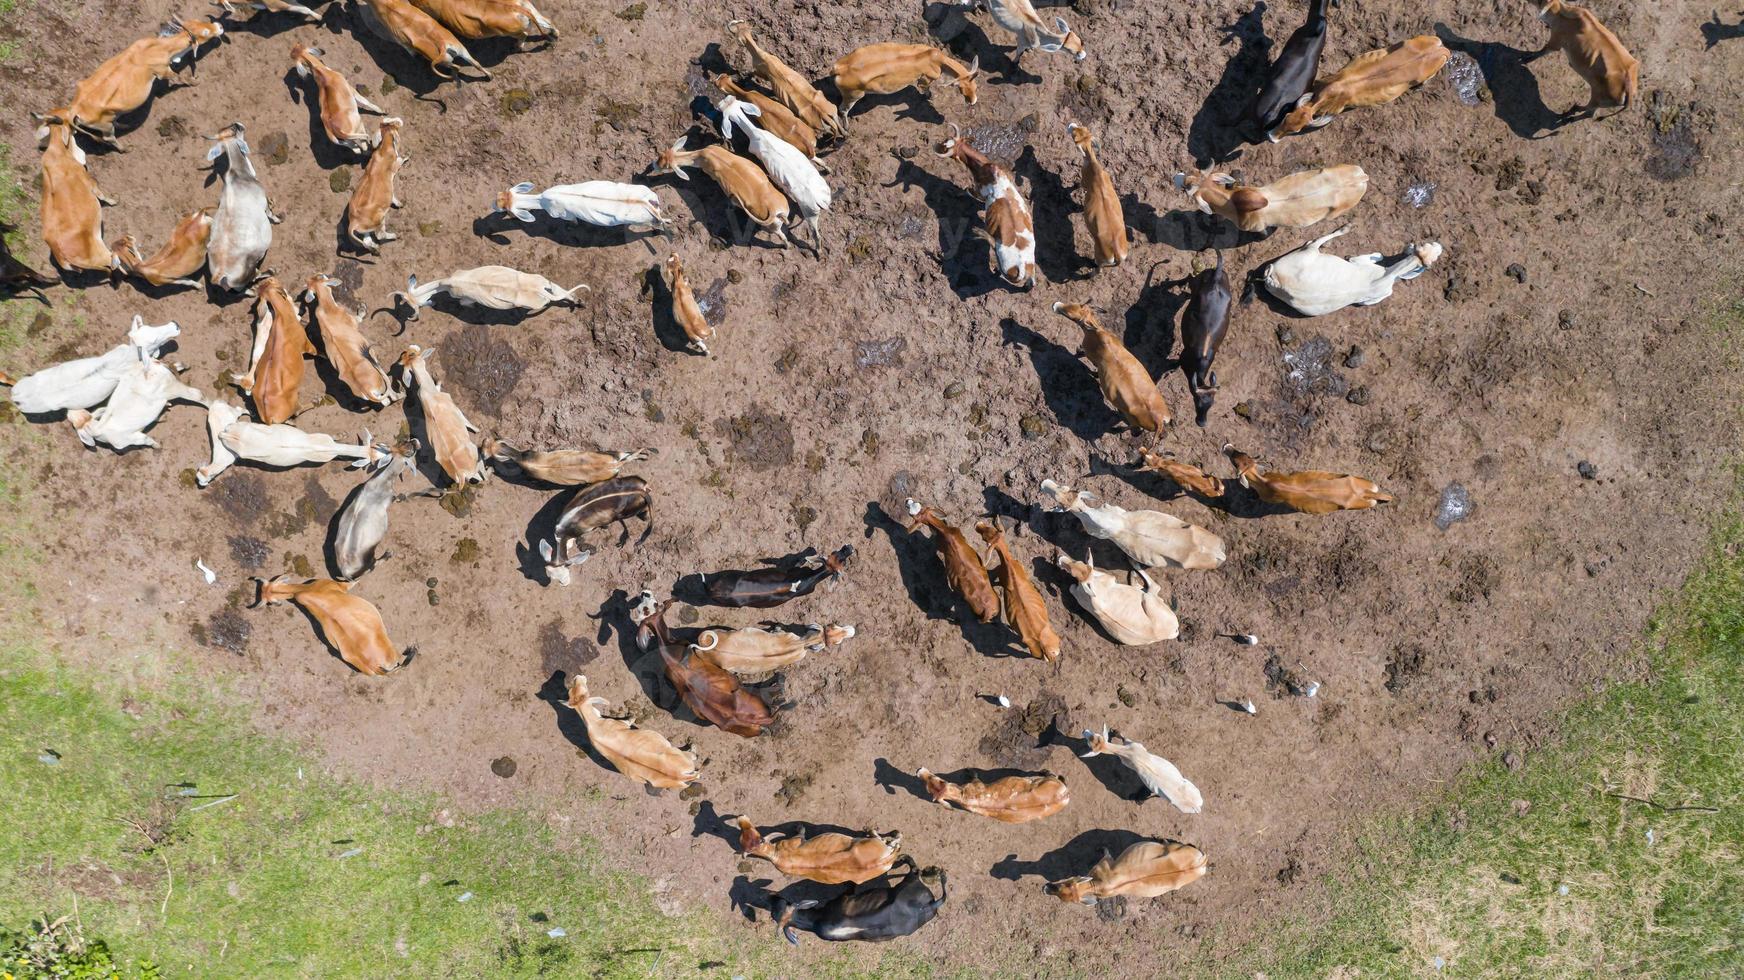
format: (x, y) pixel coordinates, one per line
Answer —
(1567, 324)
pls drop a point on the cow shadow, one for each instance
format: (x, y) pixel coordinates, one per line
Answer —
(1713, 32)
(265, 24)
(1150, 322)
(958, 215)
(1513, 87)
(494, 227)
(613, 616)
(911, 105)
(923, 577)
(1068, 387)
(1216, 132)
(1076, 857)
(1196, 231)
(1141, 217)
(893, 779)
(1052, 208)
(949, 23)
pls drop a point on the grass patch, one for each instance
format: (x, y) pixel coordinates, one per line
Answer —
(1559, 868)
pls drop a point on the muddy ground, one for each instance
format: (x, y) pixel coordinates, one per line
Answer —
(1569, 324)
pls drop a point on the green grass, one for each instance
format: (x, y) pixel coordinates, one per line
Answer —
(1581, 880)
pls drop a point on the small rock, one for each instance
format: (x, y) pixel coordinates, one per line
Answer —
(388, 85)
(1126, 697)
(691, 792)
(1587, 470)
(1490, 739)
(1358, 396)
(1032, 426)
(907, 152)
(1511, 760)
(430, 583)
(746, 867)
(634, 11)
(300, 565)
(1286, 336)
(687, 615)
(955, 389)
(503, 766)
(869, 442)
(1517, 272)
(1565, 319)
(1356, 357)
(340, 180)
(172, 127)
(431, 596)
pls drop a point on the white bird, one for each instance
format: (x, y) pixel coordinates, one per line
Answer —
(788, 167)
(87, 382)
(597, 202)
(1314, 283)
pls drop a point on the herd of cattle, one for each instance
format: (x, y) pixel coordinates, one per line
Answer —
(113, 398)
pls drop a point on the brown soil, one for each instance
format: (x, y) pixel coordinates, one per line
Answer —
(898, 366)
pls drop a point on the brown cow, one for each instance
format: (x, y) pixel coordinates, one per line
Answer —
(964, 571)
(1595, 54)
(478, 19)
(1309, 491)
(275, 371)
(831, 859)
(124, 82)
(350, 624)
(179, 260)
(709, 690)
(1373, 78)
(338, 100)
(72, 206)
(1125, 382)
(366, 216)
(1102, 215)
(885, 69)
(344, 345)
(1025, 610)
(1013, 799)
(1144, 870)
(419, 33)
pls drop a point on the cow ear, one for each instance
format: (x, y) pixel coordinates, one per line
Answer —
(215, 152)
(545, 551)
(524, 187)
(522, 213)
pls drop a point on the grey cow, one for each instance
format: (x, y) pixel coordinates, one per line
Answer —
(362, 524)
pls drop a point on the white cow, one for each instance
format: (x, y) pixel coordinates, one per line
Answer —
(1314, 283)
(789, 168)
(144, 390)
(235, 436)
(598, 202)
(88, 381)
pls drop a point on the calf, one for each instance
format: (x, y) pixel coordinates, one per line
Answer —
(744, 183)
(361, 525)
(1314, 283)
(338, 101)
(141, 394)
(1102, 214)
(1297, 201)
(87, 382)
(366, 216)
(1020, 18)
(790, 86)
(444, 423)
(777, 119)
(1125, 383)
(349, 624)
(885, 69)
(756, 650)
(562, 467)
(478, 19)
(1133, 616)
(179, 260)
(1375, 78)
(1025, 609)
(828, 858)
(1202, 329)
(242, 228)
(1144, 870)
(594, 506)
(494, 287)
(1013, 799)
(235, 437)
(1150, 538)
(1610, 71)
(1309, 491)
(420, 34)
(706, 688)
(72, 206)
(275, 371)
(1297, 66)
(1005, 214)
(867, 913)
(686, 312)
(764, 588)
(344, 346)
(1184, 475)
(639, 753)
(1159, 775)
(964, 571)
(125, 82)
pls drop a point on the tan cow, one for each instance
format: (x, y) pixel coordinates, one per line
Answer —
(1009, 229)
(741, 179)
(685, 309)
(1184, 475)
(275, 370)
(179, 260)
(1013, 799)
(885, 69)
(478, 19)
(790, 86)
(350, 624)
(125, 82)
(1144, 870)
(449, 431)
(1309, 491)
(366, 216)
(639, 753)
(562, 467)
(344, 345)
(1296, 201)
(1374, 78)
(1595, 54)
(830, 859)
(1102, 215)
(1125, 382)
(72, 206)
(419, 33)
(1025, 609)
(337, 99)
